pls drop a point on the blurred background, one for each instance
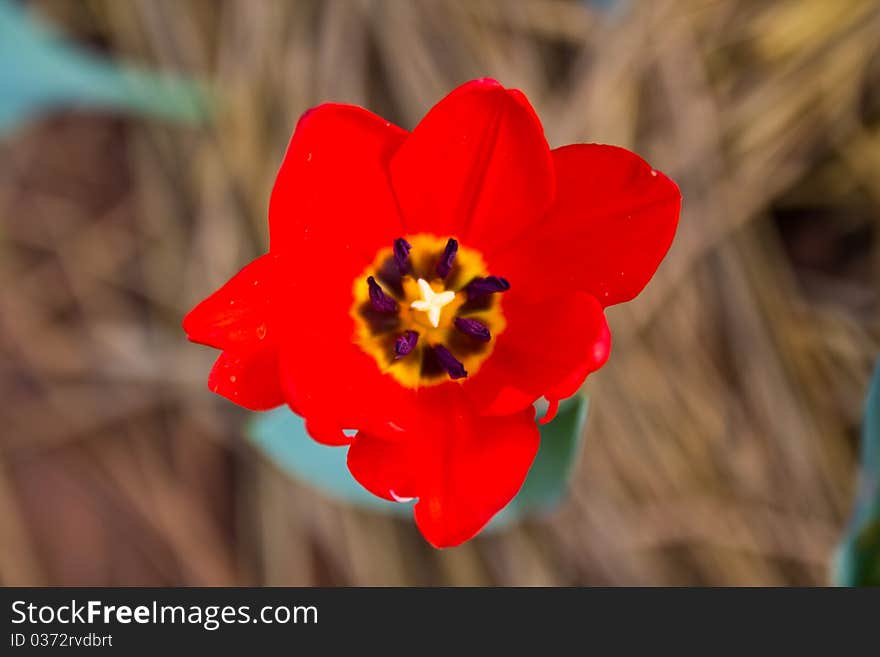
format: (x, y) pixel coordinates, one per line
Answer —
(722, 441)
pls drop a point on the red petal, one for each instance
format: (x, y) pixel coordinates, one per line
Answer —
(462, 467)
(610, 225)
(477, 167)
(386, 468)
(548, 349)
(328, 378)
(336, 386)
(552, 410)
(597, 354)
(249, 379)
(332, 202)
(332, 209)
(326, 434)
(238, 313)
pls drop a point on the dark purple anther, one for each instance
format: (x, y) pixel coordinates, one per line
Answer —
(482, 286)
(405, 344)
(473, 328)
(445, 264)
(401, 255)
(380, 301)
(449, 362)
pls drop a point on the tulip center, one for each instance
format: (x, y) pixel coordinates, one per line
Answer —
(427, 310)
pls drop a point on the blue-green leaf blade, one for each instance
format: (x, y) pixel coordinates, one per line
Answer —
(40, 71)
(857, 562)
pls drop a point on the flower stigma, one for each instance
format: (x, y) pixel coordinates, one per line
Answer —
(432, 302)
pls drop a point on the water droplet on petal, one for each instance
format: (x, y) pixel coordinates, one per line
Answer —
(232, 379)
(400, 498)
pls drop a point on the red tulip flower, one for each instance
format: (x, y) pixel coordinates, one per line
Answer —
(424, 288)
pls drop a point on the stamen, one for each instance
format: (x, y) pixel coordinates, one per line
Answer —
(401, 255)
(473, 328)
(482, 286)
(450, 363)
(380, 301)
(445, 264)
(405, 344)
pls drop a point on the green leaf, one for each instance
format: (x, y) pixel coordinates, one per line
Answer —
(857, 562)
(282, 436)
(41, 71)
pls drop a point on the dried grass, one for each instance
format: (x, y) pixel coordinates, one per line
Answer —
(720, 449)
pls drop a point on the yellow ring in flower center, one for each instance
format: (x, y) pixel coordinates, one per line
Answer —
(418, 304)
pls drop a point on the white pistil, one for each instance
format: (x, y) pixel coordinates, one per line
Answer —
(432, 302)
